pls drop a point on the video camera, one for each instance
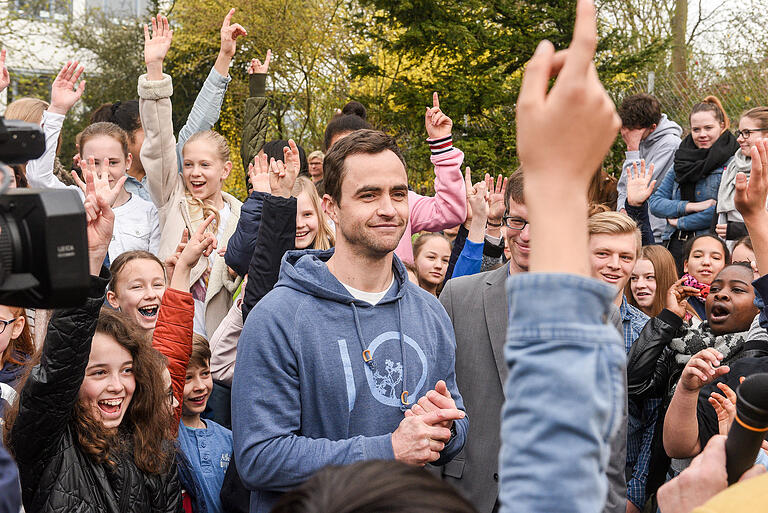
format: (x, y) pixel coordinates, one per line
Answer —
(43, 239)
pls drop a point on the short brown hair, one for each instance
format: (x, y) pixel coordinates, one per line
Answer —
(201, 352)
(640, 111)
(369, 142)
(515, 190)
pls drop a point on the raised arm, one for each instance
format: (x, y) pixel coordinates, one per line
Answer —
(158, 152)
(255, 123)
(207, 107)
(681, 426)
(471, 257)
(277, 231)
(65, 92)
(51, 391)
(173, 331)
(448, 207)
(542, 336)
(750, 201)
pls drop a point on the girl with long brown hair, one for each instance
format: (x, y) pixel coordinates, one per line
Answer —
(653, 275)
(88, 430)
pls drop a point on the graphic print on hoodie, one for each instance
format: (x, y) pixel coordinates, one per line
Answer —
(306, 396)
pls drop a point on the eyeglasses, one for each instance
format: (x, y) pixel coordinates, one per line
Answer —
(747, 132)
(5, 324)
(514, 222)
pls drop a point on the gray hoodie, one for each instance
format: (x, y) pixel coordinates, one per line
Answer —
(657, 149)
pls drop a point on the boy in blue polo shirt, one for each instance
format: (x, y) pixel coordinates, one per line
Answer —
(207, 445)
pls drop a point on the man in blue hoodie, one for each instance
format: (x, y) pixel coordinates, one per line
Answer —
(330, 362)
(650, 136)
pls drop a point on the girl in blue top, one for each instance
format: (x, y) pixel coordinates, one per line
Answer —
(687, 197)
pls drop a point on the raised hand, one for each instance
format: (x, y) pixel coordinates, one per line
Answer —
(751, 194)
(725, 406)
(639, 184)
(283, 176)
(156, 46)
(560, 173)
(256, 65)
(188, 252)
(97, 182)
(577, 94)
(677, 297)
(703, 367)
(229, 34)
(496, 197)
(258, 174)
(65, 90)
(5, 77)
(438, 124)
(100, 224)
(477, 197)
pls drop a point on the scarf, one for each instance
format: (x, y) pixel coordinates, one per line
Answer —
(697, 339)
(727, 191)
(693, 164)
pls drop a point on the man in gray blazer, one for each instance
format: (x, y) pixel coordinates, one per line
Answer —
(477, 306)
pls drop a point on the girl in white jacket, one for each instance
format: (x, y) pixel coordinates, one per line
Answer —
(136, 220)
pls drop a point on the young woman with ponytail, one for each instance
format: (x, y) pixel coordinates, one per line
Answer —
(687, 197)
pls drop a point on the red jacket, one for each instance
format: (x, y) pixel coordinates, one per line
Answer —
(173, 338)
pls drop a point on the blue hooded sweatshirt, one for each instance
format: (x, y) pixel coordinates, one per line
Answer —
(303, 395)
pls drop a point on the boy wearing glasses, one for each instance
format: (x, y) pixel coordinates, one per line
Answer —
(650, 136)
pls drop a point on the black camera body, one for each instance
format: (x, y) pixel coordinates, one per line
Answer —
(43, 239)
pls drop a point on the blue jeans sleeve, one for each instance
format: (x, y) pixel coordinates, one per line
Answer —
(470, 259)
(662, 203)
(564, 394)
(697, 221)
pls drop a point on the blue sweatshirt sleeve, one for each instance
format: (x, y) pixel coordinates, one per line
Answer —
(565, 389)
(271, 453)
(470, 259)
(662, 203)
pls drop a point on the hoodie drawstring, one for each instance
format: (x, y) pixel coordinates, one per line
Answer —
(368, 357)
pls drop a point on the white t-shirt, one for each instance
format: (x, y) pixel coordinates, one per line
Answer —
(136, 228)
(372, 298)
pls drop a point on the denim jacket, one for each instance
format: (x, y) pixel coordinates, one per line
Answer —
(666, 202)
(565, 392)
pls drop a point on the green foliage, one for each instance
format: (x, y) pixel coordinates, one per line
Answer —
(471, 52)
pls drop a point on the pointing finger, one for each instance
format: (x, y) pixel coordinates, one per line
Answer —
(435, 100)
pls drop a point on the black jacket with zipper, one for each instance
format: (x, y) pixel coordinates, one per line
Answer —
(56, 474)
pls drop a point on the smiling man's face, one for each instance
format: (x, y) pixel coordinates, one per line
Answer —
(613, 257)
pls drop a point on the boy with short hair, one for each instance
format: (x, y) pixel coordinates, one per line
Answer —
(206, 444)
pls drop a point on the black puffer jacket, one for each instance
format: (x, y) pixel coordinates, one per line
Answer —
(56, 475)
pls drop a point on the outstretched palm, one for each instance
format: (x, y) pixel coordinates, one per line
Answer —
(639, 184)
(157, 45)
